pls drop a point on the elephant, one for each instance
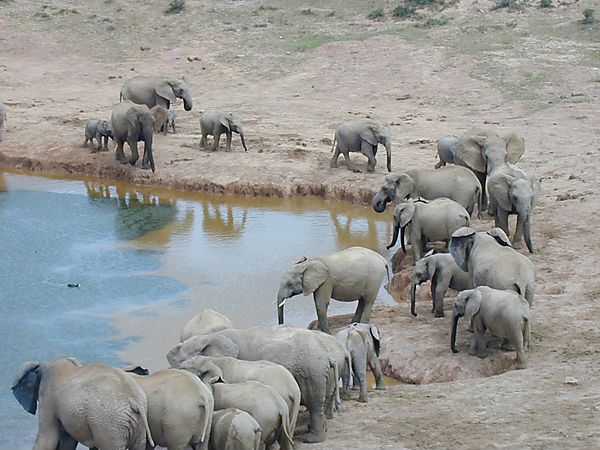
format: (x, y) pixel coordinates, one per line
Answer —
(505, 313)
(233, 370)
(446, 149)
(453, 182)
(161, 117)
(433, 220)
(171, 119)
(2, 119)
(361, 135)
(469, 153)
(348, 275)
(101, 130)
(491, 261)
(298, 350)
(261, 402)
(215, 123)
(443, 272)
(97, 405)
(363, 342)
(152, 91)
(234, 429)
(206, 322)
(180, 408)
(132, 123)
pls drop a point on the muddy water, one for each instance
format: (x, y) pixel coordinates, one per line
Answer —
(146, 261)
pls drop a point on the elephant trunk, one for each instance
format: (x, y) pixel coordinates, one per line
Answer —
(527, 234)
(402, 239)
(280, 303)
(453, 335)
(243, 141)
(413, 297)
(395, 235)
(187, 101)
(378, 203)
(388, 151)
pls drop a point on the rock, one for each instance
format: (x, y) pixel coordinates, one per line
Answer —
(571, 381)
(403, 97)
(326, 141)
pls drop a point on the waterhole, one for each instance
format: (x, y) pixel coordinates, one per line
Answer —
(143, 261)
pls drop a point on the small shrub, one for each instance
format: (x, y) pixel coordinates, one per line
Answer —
(511, 5)
(404, 10)
(175, 7)
(309, 12)
(376, 14)
(588, 16)
(432, 22)
(546, 4)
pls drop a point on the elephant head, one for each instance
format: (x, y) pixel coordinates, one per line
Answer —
(374, 134)
(234, 124)
(204, 369)
(106, 129)
(205, 345)
(140, 123)
(170, 89)
(481, 150)
(467, 304)
(424, 270)
(397, 186)
(403, 216)
(161, 116)
(462, 242)
(304, 277)
(26, 383)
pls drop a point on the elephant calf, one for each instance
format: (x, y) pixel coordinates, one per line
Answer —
(443, 272)
(446, 149)
(427, 221)
(363, 342)
(215, 123)
(101, 130)
(234, 429)
(505, 313)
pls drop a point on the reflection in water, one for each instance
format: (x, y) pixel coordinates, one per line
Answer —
(348, 236)
(215, 223)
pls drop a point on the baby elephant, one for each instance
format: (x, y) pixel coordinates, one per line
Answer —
(215, 123)
(363, 342)
(446, 149)
(443, 272)
(433, 220)
(171, 117)
(505, 313)
(99, 129)
(234, 429)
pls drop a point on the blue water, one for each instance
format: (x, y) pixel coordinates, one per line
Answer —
(158, 257)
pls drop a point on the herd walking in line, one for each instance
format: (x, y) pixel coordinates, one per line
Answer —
(234, 388)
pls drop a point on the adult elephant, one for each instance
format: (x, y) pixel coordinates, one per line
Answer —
(97, 405)
(206, 322)
(152, 91)
(133, 123)
(362, 135)
(348, 275)
(469, 153)
(215, 123)
(298, 350)
(491, 261)
(453, 182)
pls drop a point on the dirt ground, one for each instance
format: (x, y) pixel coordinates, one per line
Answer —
(292, 71)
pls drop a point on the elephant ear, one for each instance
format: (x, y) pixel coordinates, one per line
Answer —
(164, 89)
(498, 186)
(472, 303)
(315, 274)
(132, 118)
(173, 356)
(368, 134)
(138, 370)
(225, 120)
(500, 237)
(376, 338)
(74, 361)
(515, 146)
(431, 267)
(404, 213)
(460, 247)
(26, 385)
(469, 150)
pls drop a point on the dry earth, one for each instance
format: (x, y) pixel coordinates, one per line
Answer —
(293, 70)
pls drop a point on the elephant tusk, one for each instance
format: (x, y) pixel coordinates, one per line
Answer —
(280, 304)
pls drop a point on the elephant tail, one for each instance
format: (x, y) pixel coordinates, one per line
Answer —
(479, 199)
(141, 410)
(526, 333)
(333, 145)
(120, 96)
(207, 420)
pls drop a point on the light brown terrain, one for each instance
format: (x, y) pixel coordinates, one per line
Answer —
(293, 70)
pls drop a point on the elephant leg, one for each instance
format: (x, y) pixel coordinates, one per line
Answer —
(517, 241)
(119, 153)
(503, 220)
(98, 141)
(359, 310)
(359, 366)
(216, 138)
(134, 151)
(145, 159)
(322, 298)
(369, 151)
(203, 140)
(480, 344)
(438, 291)
(517, 339)
(66, 442)
(416, 243)
(48, 436)
(333, 163)
(349, 164)
(440, 164)
(367, 308)
(484, 198)
(228, 141)
(376, 369)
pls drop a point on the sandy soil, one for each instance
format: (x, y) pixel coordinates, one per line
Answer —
(293, 74)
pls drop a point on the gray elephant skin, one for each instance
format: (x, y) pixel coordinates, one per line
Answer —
(361, 135)
(233, 370)
(180, 408)
(206, 322)
(505, 314)
(446, 149)
(215, 123)
(491, 261)
(298, 350)
(234, 429)
(133, 123)
(352, 274)
(2, 119)
(160, 90)
(433, 220)
(443, 272)
(469, 152)
(97, 405)
(453, 182)
(101, 130)
(363, 342)
(261, 402)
